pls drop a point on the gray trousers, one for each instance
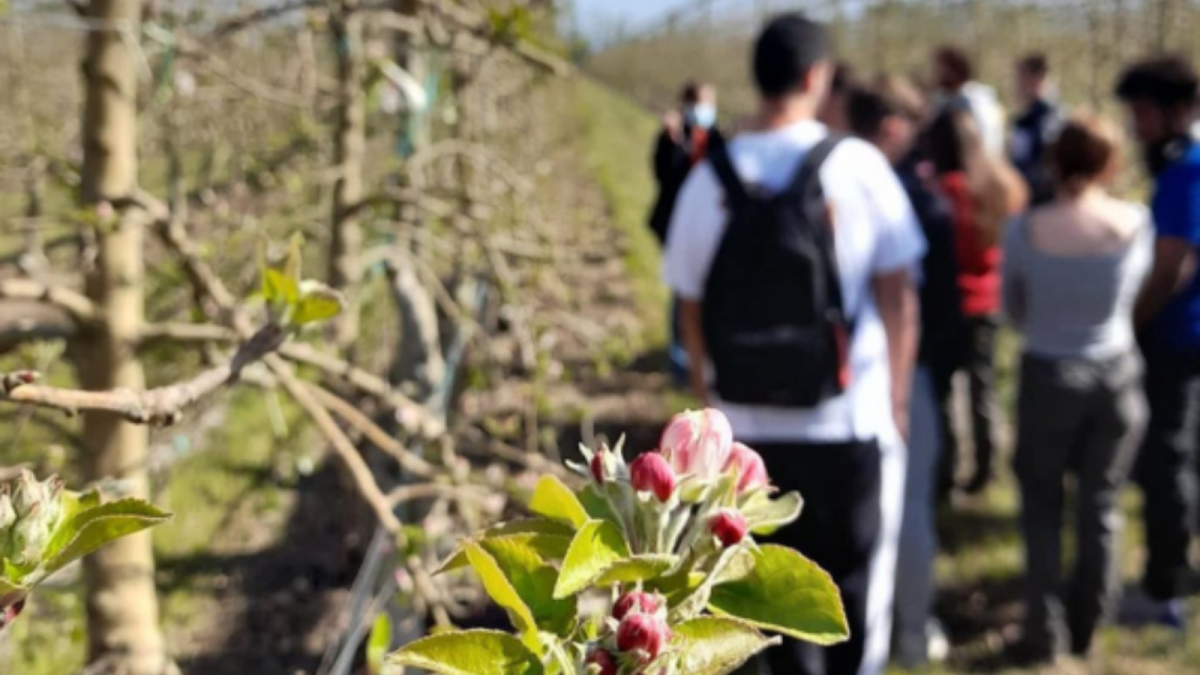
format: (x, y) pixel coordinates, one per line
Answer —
(1086, 418)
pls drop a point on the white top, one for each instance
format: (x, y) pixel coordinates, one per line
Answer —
(876, 233)
(988, 113)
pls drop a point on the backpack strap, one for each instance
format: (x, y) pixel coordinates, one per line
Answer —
(810, 168)
(722, 164)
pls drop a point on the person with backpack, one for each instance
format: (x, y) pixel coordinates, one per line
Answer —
(681, 145)
(791, 251)
(889, 115)
(1035, 128)
(1161, 97)
(984, 192)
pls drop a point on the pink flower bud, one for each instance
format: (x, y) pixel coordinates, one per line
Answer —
(606, 661)
(597, 467)
(651, 473)
(10, 613)
(698, 443)
(636, 602)
(750, 469)
(728, 526)
(643, 636)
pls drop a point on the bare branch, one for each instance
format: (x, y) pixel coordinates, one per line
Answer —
(186, 332)
(157, 407)
(261, 15)
(351, 461)
(76, 304)
(380, 438)
(414, 417)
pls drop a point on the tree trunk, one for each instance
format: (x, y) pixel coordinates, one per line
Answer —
(348, 149)
(122, 607)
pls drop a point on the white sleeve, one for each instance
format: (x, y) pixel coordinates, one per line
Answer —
(899, 240)
(697, 226)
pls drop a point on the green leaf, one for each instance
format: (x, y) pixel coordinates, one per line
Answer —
(597, 547)
(597, 505)
(500, 589)
(475, 652)
(716, 646)
(378, 644)
(91, 528)
(785, 593)
(553, 499)
(765, 515)
(534, 582)
(321, 304)
(637, 568)
(549, 538)
(278, 287)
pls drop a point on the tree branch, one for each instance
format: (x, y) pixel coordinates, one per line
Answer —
(157, 407)
(368, 428)
(412, 416)
(74, 303)
(185, 332)
(352, 462)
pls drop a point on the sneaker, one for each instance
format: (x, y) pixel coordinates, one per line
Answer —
(1173, 615)
(938, 647)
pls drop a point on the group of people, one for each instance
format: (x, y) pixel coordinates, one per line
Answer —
(838, 260)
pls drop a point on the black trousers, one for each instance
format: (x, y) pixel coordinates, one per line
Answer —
(981, 380)
(1083, 417)
(1167, 470)
(838, 530)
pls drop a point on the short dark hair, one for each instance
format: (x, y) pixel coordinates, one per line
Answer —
(1166, 81)
(1087, 149)
(692, 90)
(843, 79)
(787, 49)
(867, 108)
(957, 61)
(1036, 64)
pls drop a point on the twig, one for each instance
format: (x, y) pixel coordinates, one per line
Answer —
(186, 332)
(414, 417)
(407, 493)
(76, 304)
(380, 438)
(353, 462)
(156, 407)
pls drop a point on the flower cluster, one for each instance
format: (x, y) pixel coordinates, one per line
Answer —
(641, 635)
(669, 541)
(689, 491)
(29, 512)
(44, 528)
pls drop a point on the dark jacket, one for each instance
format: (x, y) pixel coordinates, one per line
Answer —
(943, 329)
(1032, 134)
(672, 163)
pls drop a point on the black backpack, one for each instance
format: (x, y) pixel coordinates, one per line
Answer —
(773, 318)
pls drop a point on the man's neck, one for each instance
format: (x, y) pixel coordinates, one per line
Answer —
(781, 113)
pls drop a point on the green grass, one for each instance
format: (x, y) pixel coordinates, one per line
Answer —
(618, 135)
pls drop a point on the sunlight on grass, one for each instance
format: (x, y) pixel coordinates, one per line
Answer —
(618, 137)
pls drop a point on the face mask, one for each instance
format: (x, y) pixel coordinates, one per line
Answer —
(1160, 156)
(702, 115)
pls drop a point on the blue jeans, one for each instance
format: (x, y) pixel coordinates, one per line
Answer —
(675, 351)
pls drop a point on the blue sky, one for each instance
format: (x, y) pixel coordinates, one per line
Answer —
(597, 17)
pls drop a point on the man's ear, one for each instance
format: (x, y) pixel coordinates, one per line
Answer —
(816, 80)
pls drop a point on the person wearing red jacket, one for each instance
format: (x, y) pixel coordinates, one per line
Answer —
(983, 192)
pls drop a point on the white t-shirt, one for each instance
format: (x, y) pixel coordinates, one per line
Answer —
(876, 232)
